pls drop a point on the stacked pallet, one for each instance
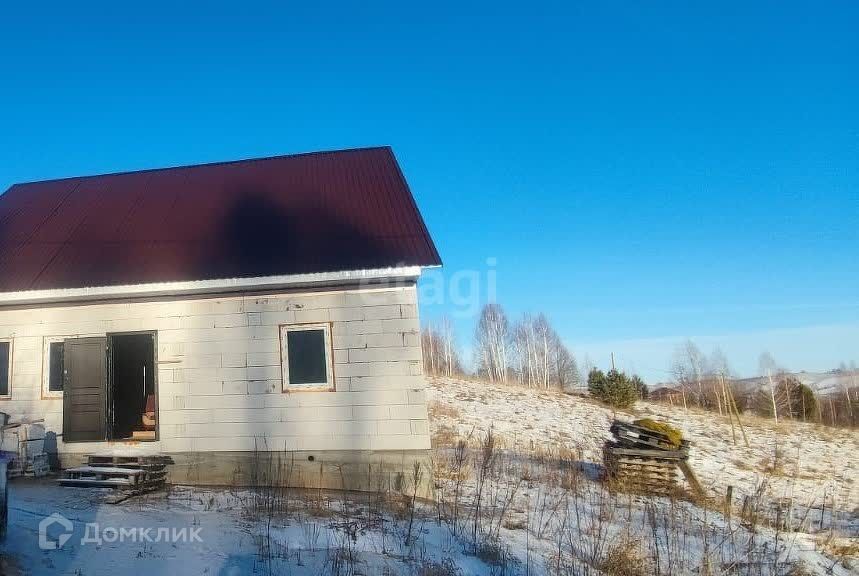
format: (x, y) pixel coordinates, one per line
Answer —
(132, 474)
(26, 440)
(644, 460)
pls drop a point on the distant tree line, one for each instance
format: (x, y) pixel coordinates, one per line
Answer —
(706, 381)
(527, 351)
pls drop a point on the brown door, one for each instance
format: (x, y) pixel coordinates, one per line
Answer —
(85, 390)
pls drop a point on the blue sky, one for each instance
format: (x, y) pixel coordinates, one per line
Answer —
(642, 173)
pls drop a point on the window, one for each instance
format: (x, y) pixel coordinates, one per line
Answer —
(53, 368)
(305, 351)
(5, 368)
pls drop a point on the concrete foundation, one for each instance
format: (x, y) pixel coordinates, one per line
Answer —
(359, 470)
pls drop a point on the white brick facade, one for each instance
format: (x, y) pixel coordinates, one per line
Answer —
(219, 370)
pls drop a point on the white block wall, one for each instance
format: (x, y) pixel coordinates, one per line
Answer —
(219, 370)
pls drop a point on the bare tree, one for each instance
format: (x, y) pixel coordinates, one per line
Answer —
(492, 343)
(768, 368)
(688, 369)
(440, 349)
(540, 358)
(566, 371)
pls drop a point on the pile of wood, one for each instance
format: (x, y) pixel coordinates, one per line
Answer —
(132, 475)
(644, 460)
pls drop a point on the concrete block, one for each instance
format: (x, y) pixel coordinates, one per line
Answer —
(416, 368)
(341, 356)
(185, 416)
(263, 372)
(321, 413)
(411, 411)
(394, 427)
(373, 369)
(341, 340)
(382, 312)
(346, 314)
(402, 325)
(264, 387)
(384, 354)
(309, 316)
(381, 297)
(220, 401)
(277, 318)
(384, 382)
(230, 320)
(392, 398)
(197, 322)
(389, 340)
(234, 360)
(355, 428)
(416, 396)
(235, 387)
(379, 412)
(282, 400)
(358, 327)
(420, 427)
(246, 415)
(264, 359)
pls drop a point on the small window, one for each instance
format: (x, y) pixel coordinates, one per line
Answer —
(5, 367)
(306, 357)
(53, 368)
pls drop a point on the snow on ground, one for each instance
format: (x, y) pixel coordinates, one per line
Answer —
(223, 532)
(806, 462)
(532, 503)
(553, 442)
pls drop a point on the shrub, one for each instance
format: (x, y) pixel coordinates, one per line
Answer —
(792, 399)
(615, 388)
(641, 387)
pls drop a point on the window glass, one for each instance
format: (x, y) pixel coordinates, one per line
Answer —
(5, 360)
(56, 367)
(306, 350)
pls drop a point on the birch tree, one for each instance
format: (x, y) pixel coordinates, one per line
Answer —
(440, 349)
(541, 359)
(492, 343)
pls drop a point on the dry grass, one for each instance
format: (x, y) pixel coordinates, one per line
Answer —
(439, 409)
(447, 567)
(625, 559)
(444, 435)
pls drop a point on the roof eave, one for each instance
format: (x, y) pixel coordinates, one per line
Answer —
(216, 286)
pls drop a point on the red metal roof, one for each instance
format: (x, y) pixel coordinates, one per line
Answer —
(316, 212)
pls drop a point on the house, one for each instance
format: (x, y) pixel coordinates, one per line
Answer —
(221, 314)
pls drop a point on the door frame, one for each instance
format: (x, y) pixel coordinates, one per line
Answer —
(110, 385)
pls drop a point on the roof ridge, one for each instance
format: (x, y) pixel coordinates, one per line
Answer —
(205, 164)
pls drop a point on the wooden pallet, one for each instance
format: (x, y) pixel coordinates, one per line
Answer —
(632, 436)
(643, 460)
(640, 470)
(132, 474)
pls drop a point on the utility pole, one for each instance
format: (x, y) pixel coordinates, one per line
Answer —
(612, 361)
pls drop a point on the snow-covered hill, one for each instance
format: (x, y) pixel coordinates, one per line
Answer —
(804, 461)
(812, 468)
